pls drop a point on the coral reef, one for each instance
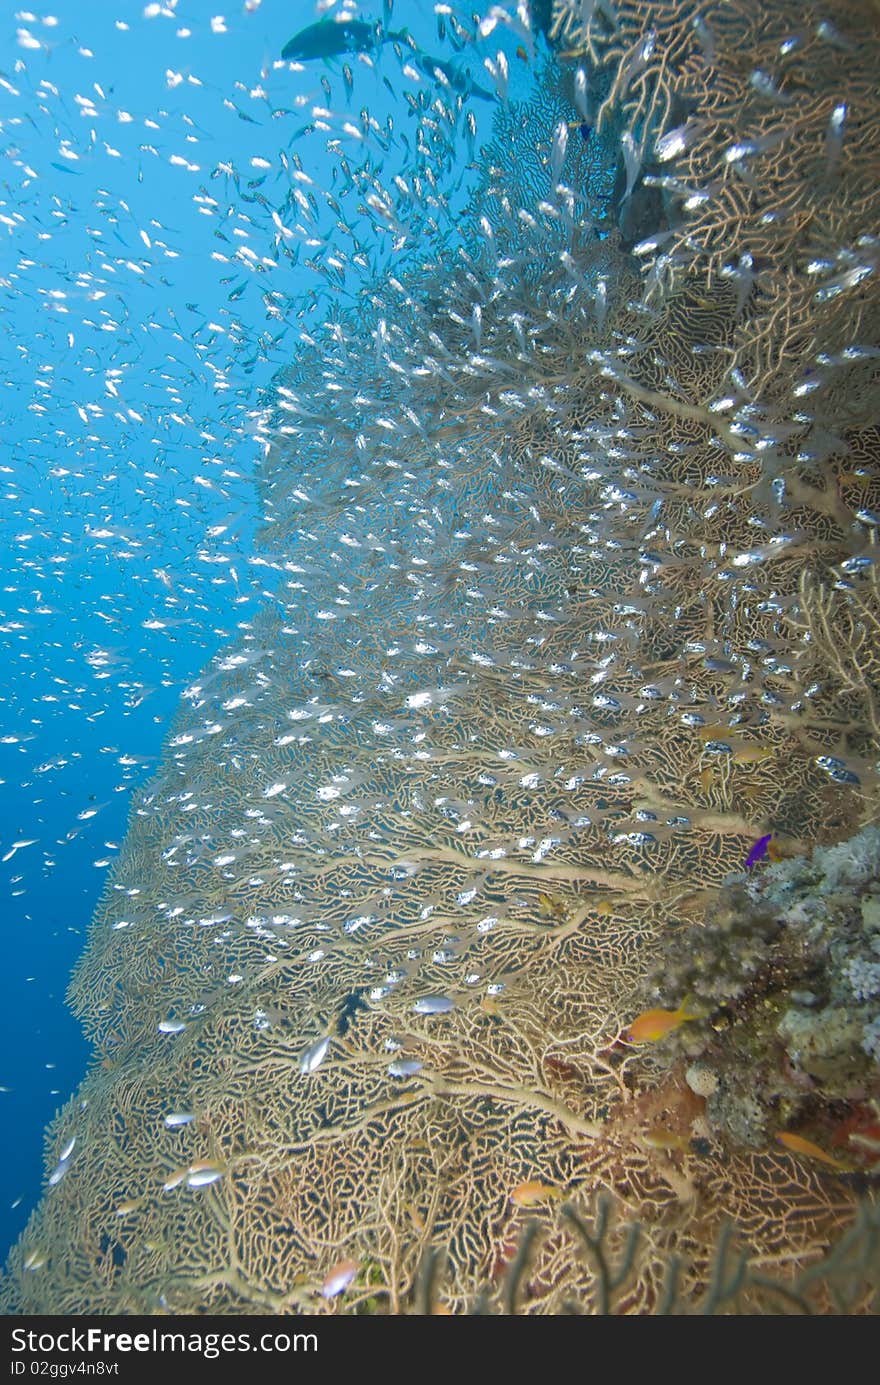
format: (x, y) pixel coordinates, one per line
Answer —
(556, 569)
(783, 979)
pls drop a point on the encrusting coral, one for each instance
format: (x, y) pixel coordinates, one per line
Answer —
(546, 652)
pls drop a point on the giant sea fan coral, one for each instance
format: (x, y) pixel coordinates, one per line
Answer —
(790, 216)
(532, 681)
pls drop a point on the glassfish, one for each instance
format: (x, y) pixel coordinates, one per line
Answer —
(434, 1005)
(314, 1055)
(404, 1067)
(132, 1204)
(204, 1172)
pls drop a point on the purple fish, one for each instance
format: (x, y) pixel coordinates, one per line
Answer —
(758, 850)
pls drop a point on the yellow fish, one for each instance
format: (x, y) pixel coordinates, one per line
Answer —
(532, 1193)
(798, 1145)
(550, 907)
(753, 754)
(652, 1025)
(780, 850)
(132, 1205)
(415, 1217)
(174, 1179)
(713, 732)
(658, 1138)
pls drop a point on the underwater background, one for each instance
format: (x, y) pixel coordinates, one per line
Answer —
(116, 589)
(439, 523)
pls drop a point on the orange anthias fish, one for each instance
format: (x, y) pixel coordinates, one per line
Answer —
(799, 1145)
(532, 1193)
(652, 1025)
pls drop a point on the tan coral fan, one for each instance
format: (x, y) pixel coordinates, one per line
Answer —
(504, 726)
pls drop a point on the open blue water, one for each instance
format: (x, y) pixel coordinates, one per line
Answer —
(141, 318)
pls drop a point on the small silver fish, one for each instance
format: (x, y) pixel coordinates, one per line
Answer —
(557, 151)
(764, 85)
(791, 44)
(834, 137)
(434, 1005)
(743, 275)
(202, 1178)
(582, 95)
(637, 61)
(827, 32)
(174, 1180)
(404, 1067)
(58, 1172)
(676, 141)
(632, 161)
(705, 38)
(171, 1026)
(314, 1055)
(175, 1119)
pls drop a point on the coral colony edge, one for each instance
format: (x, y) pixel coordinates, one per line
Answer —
(501, 929)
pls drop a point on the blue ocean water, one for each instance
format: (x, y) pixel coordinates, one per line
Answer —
(141, 321)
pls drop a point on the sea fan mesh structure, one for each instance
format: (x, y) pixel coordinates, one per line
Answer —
(558, 539)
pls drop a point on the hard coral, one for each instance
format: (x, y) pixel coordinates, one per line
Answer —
(784, 978)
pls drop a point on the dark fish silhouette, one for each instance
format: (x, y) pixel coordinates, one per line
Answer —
(458, 77)
(329, 38)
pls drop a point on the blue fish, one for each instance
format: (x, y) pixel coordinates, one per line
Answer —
(758, 851)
